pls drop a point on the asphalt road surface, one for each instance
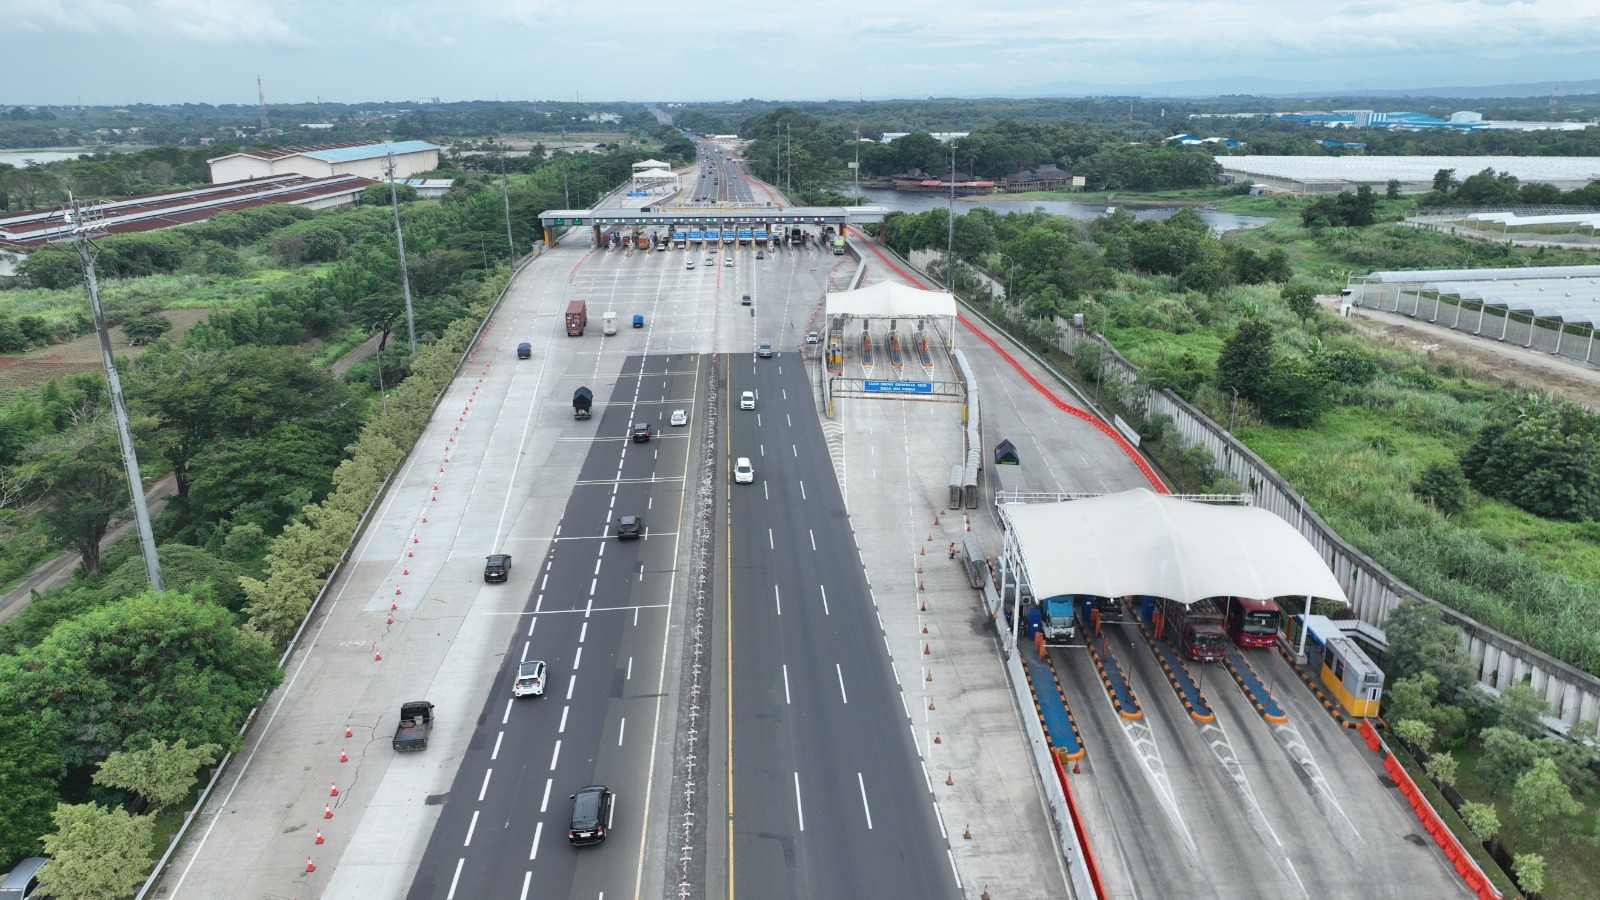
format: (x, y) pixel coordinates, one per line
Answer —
(827, 796)
(598, 617)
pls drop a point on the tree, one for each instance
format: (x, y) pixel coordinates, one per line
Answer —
(1245, 363)
(1482, 820)
(1529, 869)
(1507, 756)
(159, 666)
(145, 327)
(1391, 190)
(1301, 300)
(1444, 181)
(1415, 732)
(81, 486)
(1539, 796)
(1421, 641)
(1521, 710)
(30, 771)
(1293, 394)
(96, 853)
(1545, 461)
(1442, 486)
(161, 774)
(1441, 767)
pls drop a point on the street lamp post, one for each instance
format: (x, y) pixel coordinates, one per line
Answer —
(1010, 264)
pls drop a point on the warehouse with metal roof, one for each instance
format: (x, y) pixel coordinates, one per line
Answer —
(364, 159)
(1332, 174)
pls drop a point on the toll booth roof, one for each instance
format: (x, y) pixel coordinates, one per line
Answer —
(1139, 542)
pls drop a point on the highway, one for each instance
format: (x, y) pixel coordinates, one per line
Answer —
(598, 616)
(826, 795)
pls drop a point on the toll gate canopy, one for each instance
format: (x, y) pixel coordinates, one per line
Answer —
(1139, 542)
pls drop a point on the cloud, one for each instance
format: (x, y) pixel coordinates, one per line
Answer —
(253, 22)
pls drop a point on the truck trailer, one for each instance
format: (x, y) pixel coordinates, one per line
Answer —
(577, 317)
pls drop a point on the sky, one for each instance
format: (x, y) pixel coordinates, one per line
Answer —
(210, 51)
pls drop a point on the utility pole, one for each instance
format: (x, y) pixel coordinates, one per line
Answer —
(84, 222)
(565, 187)
(505, 193)
(400, 242)
(950, 238)
(858, 165)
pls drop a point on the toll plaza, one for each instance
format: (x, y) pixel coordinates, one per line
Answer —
(766, 225)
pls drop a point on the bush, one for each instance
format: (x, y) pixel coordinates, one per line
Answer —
(145, 327)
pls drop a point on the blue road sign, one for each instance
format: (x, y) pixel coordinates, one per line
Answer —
(901, 387)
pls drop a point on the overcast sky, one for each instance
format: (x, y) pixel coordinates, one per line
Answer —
(167, 51)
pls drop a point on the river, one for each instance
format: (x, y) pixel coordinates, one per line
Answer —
(21, 158)
(919, 202)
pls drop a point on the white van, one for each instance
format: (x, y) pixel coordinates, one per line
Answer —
(747, 400)
(743, 472)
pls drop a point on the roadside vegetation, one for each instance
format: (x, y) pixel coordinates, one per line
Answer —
(114, 698)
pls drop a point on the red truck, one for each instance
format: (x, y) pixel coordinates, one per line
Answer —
(1196, 629)
(577, 317)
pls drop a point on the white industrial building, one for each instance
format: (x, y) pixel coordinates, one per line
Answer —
(364, 159)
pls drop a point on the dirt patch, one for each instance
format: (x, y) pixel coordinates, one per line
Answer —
(1489, 361)
(81, 354)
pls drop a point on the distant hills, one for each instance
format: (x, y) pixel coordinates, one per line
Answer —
(1285, 89)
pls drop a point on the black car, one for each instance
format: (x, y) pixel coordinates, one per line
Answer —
(524, 350)
(630, 526)
(641, 432)
(591, 813)
(497, 567)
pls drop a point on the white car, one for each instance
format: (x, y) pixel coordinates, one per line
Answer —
(680, 417)
(727, 261)
(743, 472)
(812, 337)
(529, 680)
(689, 264)
(747, 400)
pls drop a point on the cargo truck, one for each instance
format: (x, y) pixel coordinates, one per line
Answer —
(838, 246)
(577, 317)
(1196, 629)
(1057, 619)
(609, 323)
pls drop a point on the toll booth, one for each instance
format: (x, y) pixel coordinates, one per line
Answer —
(1346, 670)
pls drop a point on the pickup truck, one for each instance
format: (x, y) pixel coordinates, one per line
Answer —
(416, 720)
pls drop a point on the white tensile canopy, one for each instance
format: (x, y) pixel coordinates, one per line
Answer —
(649, 164)
(654, 175)
(888, 300)
(1140, 542)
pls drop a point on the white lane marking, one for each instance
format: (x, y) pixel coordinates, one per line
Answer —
(824, 599)
(545, 803)
(471, 827)
(776, 600)
(622, 729)
(507, 717)
(455, 878)
(484, 790)
(535, 620)
(583, 632)
(786, 684)
(629, 676)
(527, 879)
(788, 420)
(799, 809)
(525, 650)
(795, 450)
(572, 682)
(842, 694)
(538, 829)
(597, 563)
(544, 581)
(589, 606)
(593, 583)
(765, 494)
(497, 739)
(867, 807)
(555, 754)
(563, 728)
(803, 491)
(577, 658)
(762, 448)
(813, 539)
(770, 544)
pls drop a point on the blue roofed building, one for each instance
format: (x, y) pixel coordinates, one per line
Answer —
(365, 159)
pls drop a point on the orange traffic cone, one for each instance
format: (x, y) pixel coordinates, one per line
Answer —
(333, 789)
(327, 811)
(377, 656)
(347, 732)
(319, 835)
(310, 866)
(343, 757)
